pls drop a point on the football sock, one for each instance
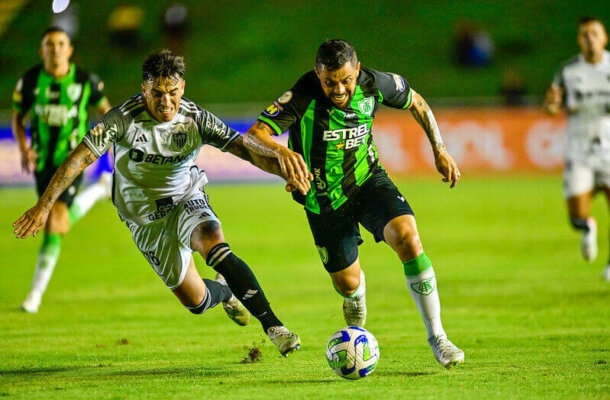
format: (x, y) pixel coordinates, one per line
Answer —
(421, 282)
(360, 291)
(243, 284)
(214, 294)
(45, 264)
(85, 200)
(580, 223)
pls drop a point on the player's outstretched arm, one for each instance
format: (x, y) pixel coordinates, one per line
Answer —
(294, 169)
(35, 218)
(267, 164)
(445, 164)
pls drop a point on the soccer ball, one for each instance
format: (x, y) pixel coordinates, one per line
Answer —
(352, 352)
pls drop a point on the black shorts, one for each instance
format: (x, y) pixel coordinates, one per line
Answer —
(43, 178)
(337, 233)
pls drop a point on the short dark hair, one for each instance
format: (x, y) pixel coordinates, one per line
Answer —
(588, 18)
(334, 54)
(162, 64)
(53, 29)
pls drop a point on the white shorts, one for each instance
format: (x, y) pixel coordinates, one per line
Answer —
(583, 177)
(166, 243)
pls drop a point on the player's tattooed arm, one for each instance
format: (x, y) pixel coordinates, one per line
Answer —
(35, 218)
(425, 118)
(266, 163)
(443, 161)
(293, 168)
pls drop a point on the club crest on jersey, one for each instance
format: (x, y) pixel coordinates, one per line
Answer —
(179, 139)
(74, 91)
(323, 253)
(366, 105)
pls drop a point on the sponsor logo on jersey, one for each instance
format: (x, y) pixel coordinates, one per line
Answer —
(272, 110)
(137, 155)
(55, 114)
(164, 206)
(285, 98)
(367, 105)
(349, 137)
(320, 183)
(400, 83)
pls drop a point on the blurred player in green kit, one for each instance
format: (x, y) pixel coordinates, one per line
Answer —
(57, 94)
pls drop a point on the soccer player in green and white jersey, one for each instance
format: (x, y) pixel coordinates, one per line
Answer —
(329, 113)
(158, 191)
(581, 86)
(57, 94)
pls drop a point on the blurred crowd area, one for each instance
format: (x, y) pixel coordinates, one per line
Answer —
(241, 56)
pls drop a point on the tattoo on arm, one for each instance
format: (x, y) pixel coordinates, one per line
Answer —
(256, 145)
(425, 118)
(267, 164)
(74, 165)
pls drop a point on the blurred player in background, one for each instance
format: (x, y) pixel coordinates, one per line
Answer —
(329, 113)
(158, 192)
(58, 94)
(582, 88)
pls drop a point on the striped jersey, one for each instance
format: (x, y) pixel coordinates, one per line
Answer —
(337, 144)
(587, 101)
(59, 117)
(151, 158)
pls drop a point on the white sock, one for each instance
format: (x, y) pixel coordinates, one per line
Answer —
(423, 290)
(45, 265)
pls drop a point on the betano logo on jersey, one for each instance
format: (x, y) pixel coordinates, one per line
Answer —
(138, 155)
(348, 137)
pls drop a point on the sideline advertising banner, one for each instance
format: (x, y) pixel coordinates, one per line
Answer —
(481, 140)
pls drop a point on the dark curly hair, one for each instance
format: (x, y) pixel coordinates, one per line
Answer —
(162, 64)
(334, 54)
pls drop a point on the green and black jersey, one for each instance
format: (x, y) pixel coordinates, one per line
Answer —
(337, 144)
(59, 110)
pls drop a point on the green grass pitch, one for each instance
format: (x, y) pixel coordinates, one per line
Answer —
(530, 314)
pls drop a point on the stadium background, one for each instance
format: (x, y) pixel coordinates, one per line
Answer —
(242, 55)
(530, 314)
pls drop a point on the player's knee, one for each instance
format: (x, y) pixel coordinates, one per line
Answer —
(204, 233)
(346, 284)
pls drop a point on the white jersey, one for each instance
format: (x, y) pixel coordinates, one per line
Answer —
(587, 101)
(152, 159)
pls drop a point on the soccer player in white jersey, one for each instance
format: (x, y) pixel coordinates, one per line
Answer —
(582, 88)
(158, 191)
